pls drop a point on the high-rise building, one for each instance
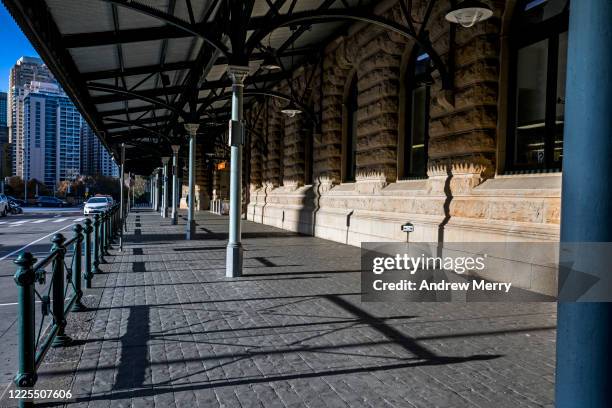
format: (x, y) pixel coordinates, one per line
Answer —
(88, 138)
(52, 134)
(107, 164)
(5, 150)
(95, 159)
(3, 109)
(26, 70)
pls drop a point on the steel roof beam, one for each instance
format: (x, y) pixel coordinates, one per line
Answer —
(194, 30)
(157, 119)
(120, 94)
(177, 66)
(102, 38)
(266, 26)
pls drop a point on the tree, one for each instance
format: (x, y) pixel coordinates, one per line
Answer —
(14, 186)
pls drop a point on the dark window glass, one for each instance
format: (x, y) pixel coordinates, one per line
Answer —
(531, 75)
(535, 137)
(417, 128)
(350, 148)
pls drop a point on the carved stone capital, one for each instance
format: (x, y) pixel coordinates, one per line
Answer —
(238, 74)
(192, 128)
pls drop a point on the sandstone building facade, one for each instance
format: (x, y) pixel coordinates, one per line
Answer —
(379, 143)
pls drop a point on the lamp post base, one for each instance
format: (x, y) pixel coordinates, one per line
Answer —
(61, 340)
(233, 261)
(191, 230)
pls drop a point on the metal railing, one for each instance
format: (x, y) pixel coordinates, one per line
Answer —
(62, 295)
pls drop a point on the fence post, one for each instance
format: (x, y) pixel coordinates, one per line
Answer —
(101, 239)
(88, 266)
(105, 236)
(109, 230)
(25, 277)
(117, 221)
(61, 339)
(77, 269)
(96, 245)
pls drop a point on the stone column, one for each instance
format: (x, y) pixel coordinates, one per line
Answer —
(175, 150)
(192, 129)
(233, 266)
(584, 329)
(164, 209)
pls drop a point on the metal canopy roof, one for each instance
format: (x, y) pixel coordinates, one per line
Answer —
(138, 68)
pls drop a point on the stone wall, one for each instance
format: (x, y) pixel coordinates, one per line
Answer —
(462, 199)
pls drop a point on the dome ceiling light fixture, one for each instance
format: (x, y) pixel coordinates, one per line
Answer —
(270, 63)
(291, 110)
(469, 12)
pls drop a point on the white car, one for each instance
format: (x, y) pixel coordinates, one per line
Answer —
(96, 205)
(4, 206)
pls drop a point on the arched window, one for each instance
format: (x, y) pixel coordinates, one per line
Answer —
(416, 131)
(349, 148)
(537, 85)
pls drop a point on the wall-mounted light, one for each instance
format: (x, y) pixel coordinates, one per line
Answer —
(291, 110)
(469, 12)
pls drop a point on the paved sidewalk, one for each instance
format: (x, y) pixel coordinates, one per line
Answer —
(172, 331)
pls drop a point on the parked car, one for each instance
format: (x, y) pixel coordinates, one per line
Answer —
(96, 205)
(17, 201)
(48, 201)
(15, 208)
(4, 205)
(107, 197)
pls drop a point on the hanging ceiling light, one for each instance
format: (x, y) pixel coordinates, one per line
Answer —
(291, 110)
(270, 63)
(468, 13)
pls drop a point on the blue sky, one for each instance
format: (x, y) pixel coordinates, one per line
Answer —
(13, 44)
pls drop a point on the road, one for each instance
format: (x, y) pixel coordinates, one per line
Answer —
(31, 231)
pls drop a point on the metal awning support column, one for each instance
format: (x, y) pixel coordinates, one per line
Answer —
(164, 209)
(174, 214)
(584, 329)
(151, 191)
(121, 198)
(192, 129)
(155, 190)
(233, 266)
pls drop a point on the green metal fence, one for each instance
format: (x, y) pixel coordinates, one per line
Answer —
(63, 293)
